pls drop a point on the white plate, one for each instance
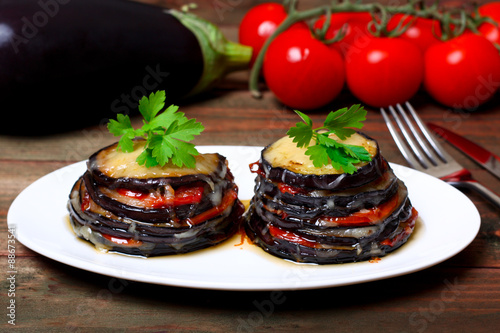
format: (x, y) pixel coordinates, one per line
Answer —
(449, 222)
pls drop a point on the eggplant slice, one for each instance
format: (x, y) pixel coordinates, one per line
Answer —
(114, 169)
(120, 206)
(323, 216)
(283, 161)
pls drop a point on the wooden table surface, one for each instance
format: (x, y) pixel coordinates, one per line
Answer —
(461, 294)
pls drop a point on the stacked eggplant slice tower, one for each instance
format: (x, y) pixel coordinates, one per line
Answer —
(119, 205)
(321, 215)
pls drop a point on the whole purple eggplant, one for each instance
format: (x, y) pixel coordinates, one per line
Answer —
(66, 64)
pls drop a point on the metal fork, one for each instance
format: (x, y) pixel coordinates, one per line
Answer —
(424, 153)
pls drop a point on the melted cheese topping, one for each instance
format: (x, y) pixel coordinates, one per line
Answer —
(118, 164)
(285, 154)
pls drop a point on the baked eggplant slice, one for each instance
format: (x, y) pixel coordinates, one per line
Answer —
(114, 169)
(283, 161)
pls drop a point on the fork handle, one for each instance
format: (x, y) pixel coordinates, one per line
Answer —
(481, 189)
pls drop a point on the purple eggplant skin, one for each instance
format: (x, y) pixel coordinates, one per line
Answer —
(66, 64)
(258, 231)
(159, 240)
(151, 215)
(341, 205)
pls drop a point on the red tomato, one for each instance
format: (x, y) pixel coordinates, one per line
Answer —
(227, 201)
(290, 236)
(488, 30)
(303, 72)
(355, 27)
(463, 72)
(367, 216)
(259, 23)
(422, 31)
(122, 241)
(184, 195)
(385, 72)
(133, 194)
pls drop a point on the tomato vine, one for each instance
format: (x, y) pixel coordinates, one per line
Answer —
(453, 23)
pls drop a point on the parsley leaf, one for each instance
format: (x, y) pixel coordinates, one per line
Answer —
(325, 149)
(301, 134)
(338, 122)
(318, 155)
(146, 158)
(167, 133)
(123, 127)
(149, 107)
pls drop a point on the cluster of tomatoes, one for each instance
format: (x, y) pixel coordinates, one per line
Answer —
(306, 73)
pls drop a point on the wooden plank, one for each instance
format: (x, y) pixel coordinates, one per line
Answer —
(239, 119)
(438, 299)
(230, 12)
(15, 176)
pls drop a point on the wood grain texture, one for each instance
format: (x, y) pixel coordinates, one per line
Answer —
(461, 294)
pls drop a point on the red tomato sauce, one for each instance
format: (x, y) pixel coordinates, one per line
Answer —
(290, 236)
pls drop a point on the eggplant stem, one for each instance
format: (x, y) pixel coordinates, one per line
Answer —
(220, 55)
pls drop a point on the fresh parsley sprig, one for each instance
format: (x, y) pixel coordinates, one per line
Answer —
(326, 150)
(167, 134)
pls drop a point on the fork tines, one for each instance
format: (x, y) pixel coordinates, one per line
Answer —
(419, 147)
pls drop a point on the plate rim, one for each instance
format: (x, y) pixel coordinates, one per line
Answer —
(81, 263)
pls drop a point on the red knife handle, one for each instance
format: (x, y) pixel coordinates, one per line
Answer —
(461, 175)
